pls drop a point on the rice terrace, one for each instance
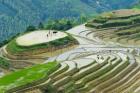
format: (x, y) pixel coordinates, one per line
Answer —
(101, 55)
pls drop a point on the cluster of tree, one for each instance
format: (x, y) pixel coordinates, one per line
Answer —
(51, 25)
(61, 24)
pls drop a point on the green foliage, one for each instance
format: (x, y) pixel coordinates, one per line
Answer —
(30, 28)
(4, 63)
(83, 19)
(26, 76)
(40, 26)
(63, 24)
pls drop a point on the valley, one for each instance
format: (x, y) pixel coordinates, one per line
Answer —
(99, 63)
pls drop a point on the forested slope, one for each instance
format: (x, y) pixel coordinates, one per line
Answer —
(16, 15)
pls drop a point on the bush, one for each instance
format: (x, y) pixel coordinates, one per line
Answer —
(4, 63)
(63, 24)
(30, 28)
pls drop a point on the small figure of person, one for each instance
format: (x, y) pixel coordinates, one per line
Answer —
(98, 57)
(102, 58)
(47, 35)
(49, 32)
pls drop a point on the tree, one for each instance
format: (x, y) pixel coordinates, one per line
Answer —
(4, 63)
(40, 26)
(68, 25)
(30, 28)
(49, 24)
(83, 19)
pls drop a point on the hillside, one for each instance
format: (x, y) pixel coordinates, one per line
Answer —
(16, 15)
(50, 53)
(114, 72)
(121, 27)
(103, 62)
(36, 47)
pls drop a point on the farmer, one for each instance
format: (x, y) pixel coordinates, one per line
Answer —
(98, 57)
(47, 35)
(102, 58)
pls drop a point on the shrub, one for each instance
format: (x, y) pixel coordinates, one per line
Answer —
(4, 63)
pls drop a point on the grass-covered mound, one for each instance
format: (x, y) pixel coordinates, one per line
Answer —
(115, 18)
(14, 48)
(27, 76)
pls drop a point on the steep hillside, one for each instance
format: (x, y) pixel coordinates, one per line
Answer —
(16, 15)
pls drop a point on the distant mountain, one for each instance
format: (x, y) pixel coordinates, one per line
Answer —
(16, 15)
